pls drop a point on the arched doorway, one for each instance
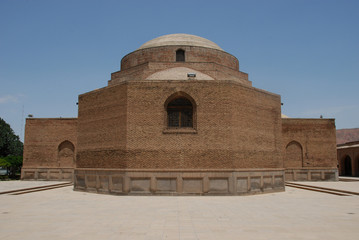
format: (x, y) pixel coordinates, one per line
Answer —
(66, 156)
(293, 155)
(347, 166)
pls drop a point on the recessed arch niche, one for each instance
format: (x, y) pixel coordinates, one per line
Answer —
(66, 154)
(293, 155)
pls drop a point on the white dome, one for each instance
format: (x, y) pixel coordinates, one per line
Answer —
(177, 73)
(180, 39)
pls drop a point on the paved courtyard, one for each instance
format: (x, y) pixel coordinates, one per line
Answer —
(65, 214)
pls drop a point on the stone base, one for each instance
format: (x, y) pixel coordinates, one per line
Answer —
(311, 174)
(47, 174)
(179, 182)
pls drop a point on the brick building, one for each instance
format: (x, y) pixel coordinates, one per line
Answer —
(180, 118)
(348, 158)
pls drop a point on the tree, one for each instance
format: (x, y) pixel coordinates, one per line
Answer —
(11, 149)
(12, 164)
(10, 143)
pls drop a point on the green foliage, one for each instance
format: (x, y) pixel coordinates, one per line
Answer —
(13, 165)
(11, 149)
(10, 143)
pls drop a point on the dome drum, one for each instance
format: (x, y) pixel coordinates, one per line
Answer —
(168, 54)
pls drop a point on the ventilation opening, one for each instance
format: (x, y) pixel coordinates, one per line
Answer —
(180, 55)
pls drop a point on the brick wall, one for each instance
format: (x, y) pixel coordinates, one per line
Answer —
(43, 138)
(348, 154)
(124, 126)
(316, 138)
(102, 121)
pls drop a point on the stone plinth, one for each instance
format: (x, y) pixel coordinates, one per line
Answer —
(48, 174)
(311, 174)
(179, 182)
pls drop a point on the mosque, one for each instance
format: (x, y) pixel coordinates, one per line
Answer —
(180, 118)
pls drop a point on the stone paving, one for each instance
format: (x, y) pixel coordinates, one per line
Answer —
(14, 185)
(66, 214)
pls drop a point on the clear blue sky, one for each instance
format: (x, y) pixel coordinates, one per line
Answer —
(305, 50)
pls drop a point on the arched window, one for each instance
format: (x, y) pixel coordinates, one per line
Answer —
(180, 113)
(180, 55)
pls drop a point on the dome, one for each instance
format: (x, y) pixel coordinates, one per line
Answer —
(180, 39)
(178, 73)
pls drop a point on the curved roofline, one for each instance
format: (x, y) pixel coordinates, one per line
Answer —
(180, 39)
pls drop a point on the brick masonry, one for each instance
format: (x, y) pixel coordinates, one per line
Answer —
(239, 144)
(309, 149)
(348, 159)
(48, 154)
(223, 137)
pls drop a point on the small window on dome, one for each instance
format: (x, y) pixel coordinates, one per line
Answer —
(180, 55)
